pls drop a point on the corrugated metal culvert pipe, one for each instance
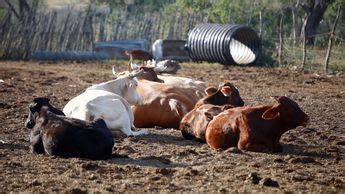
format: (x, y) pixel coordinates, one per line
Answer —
(224, 43)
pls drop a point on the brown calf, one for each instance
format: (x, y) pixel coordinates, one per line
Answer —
(225, 94)
(256, 128)
(149, 74)
(139, 55)
(194, 123)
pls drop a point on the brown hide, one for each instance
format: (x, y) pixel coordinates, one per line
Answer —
(194, 124)
(139, 55)
(163, 105)
(256, 128)
(225, 94)
(149, 74)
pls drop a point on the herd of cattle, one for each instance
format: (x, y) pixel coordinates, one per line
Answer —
(140, 98)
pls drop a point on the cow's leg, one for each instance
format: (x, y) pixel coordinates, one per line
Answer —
(140, 132)
(123, 124)
(247, 143)
(36, 144)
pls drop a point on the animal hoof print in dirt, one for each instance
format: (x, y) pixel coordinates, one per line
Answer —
(254, 178)
(269, 182)
(303, 160)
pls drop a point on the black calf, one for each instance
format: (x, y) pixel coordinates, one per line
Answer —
(67, 137)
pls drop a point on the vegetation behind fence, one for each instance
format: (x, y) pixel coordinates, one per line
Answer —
(71, 29)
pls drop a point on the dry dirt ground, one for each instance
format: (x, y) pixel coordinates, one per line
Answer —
(312, 160)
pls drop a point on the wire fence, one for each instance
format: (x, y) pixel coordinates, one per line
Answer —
(78, 29)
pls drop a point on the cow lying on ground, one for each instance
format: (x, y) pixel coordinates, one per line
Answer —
(255, 128)
(184, 82)
(163, 104)
(196, 87)
(110, 101)
(194, 124)
(67, 137)
(225, 94)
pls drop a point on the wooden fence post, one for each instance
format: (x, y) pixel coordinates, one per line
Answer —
(260, 23)
(293, 30)
(280, 39)
(330, 41)
(304, 43)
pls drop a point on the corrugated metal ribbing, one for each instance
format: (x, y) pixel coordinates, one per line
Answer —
(223, 43)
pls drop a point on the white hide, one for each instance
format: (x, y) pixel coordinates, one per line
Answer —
(157, 49)
(108, 101)
(166, 66)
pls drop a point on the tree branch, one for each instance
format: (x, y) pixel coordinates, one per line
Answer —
(12, 9)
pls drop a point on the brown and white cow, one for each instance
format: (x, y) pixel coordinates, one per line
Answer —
(196, 86)
(162, 104)
(194, 124)
(255, 128)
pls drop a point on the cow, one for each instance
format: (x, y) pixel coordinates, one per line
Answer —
(226, 93)
(149, 74)
(184, 82)
(110, 101)
(163, 105)
(58, 135)
(37, 103)
(138, 55)
(194, 124)
(196, 87)
(255, 128)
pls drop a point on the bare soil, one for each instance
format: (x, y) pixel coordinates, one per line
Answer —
(312, 160)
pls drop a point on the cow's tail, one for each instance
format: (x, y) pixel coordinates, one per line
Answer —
(177, 107)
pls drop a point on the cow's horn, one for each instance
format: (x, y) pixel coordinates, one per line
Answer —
(114, 71)
(134, 66)
(275, 98)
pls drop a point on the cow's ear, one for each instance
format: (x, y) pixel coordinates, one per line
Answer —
(271, 113)
(210, 90)
(208, 116)
(226, 90)
(226, 107)
(36, 115)
(33, 107)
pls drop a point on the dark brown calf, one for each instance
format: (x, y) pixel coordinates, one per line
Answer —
(138, 55)
(149, 74)
(256, 128)
(194, 123)
(68, 137)
(225, 94)
(35, 106)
